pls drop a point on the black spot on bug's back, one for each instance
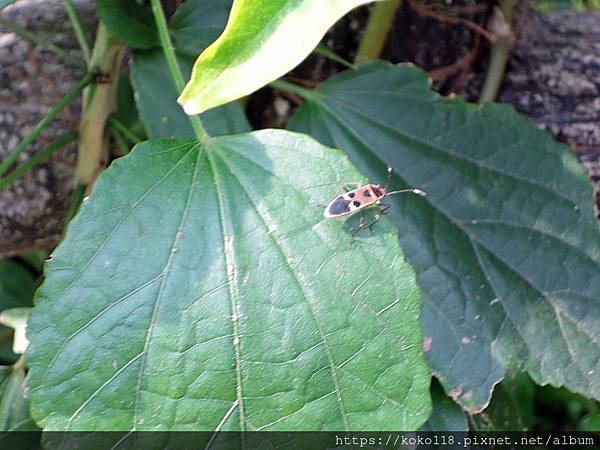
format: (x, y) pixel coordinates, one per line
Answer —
(366, 193)
(351, 194)
(356, 203)
(339, 206)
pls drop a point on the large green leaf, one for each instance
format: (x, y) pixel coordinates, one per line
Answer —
(200, 288)
(156, 99)
(263, 40)
(505, 244)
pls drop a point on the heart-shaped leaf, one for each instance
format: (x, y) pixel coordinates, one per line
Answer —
(263, 40)
(160, 113)
(505, 244)
(201, 288)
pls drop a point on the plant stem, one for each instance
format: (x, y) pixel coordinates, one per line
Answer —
(99, 101)
(38, 158)
(293, 88)
(121, 142)
(78, 28)
(76, 199)
(124, 130)
(376, 31)
(20, 31)
(20, 364)
(176, 74)
(323, 50)
(46, 120)
(500, 50)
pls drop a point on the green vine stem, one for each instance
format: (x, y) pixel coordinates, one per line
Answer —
(376, 31)
(500, 25)
(323, 50)
(119, 139)
(76, 199)
(46, 120)
(37, 40)
(124, 130)
(38, 158)
(293, 88)
(169, 51)
(99, 101)
(20, 364)
(78, 28)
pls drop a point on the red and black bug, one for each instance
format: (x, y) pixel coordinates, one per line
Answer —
(361, 197)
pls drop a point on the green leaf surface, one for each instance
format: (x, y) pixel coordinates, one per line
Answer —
(130, 20)
(262, 41)
(14, 408)
(505, 243)
(446, 415)
(197, 23)
(156, 99)
(209, 292)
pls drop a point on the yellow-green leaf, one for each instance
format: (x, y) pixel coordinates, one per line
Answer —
(263, 40)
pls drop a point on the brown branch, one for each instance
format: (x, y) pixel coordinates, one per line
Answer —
(463, 66)
(426, 12)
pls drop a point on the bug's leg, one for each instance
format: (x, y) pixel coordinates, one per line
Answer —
(383, 207)
(370, 226)
(361, 223)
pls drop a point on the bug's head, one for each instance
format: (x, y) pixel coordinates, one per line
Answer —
(378, 190)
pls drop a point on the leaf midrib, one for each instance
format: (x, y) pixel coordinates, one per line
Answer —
(229, 257)
(299, 279)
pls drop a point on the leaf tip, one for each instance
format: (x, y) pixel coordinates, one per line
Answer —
(190, 107)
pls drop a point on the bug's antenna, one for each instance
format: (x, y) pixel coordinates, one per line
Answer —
(414, 191)
(389, 177)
